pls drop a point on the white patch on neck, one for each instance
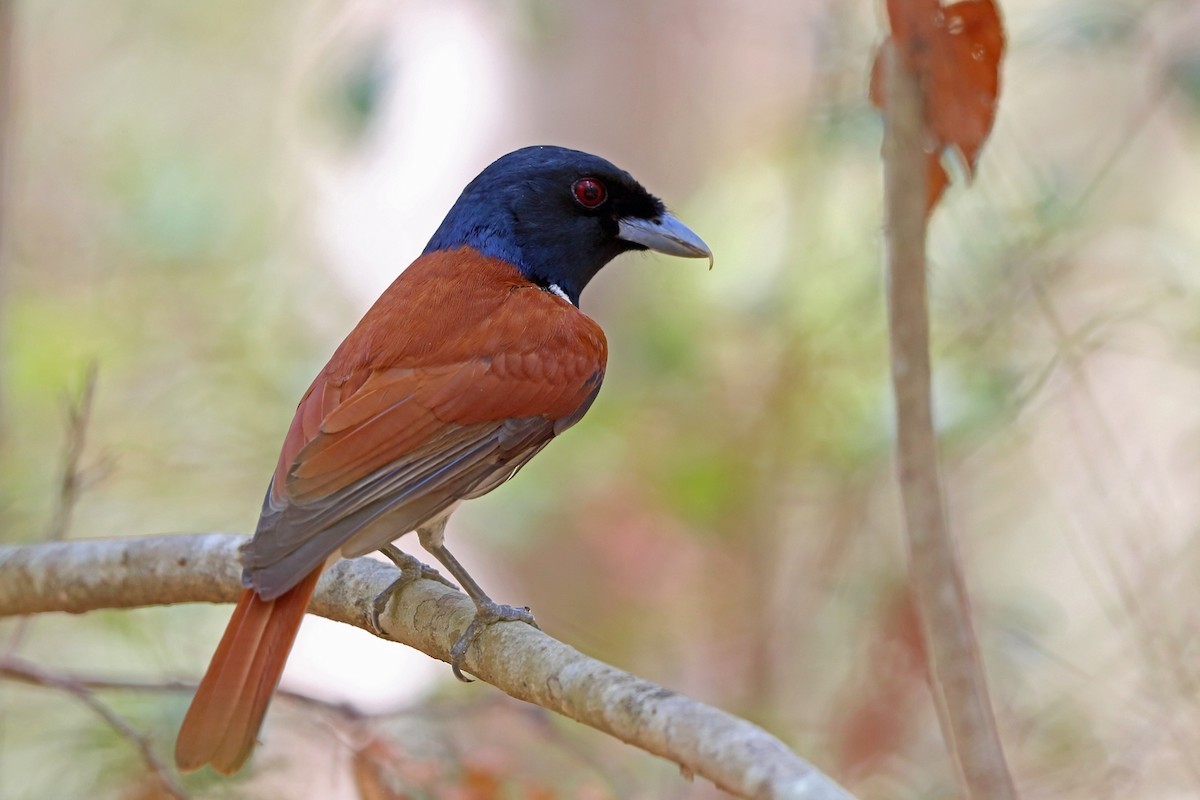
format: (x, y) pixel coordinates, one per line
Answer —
(556, 290)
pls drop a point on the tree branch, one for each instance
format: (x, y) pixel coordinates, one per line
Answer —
(86, 575)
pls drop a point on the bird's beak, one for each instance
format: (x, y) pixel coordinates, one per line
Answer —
(664, 235)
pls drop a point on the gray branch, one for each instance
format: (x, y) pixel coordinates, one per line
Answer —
(86, 575)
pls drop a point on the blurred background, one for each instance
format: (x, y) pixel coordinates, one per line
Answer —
(201, 199)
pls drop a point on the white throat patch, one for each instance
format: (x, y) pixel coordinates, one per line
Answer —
(556, 290)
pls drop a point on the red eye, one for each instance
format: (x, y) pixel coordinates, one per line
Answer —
(590, 192)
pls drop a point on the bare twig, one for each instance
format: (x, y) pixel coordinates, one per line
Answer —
(85, 575)
(27, 672)
(71, 478)
(8, 40)
(959, 684)
(19, 669)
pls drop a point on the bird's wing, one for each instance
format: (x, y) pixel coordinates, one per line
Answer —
(400, 445)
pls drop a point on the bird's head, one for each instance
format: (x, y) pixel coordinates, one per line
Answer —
(560, 215)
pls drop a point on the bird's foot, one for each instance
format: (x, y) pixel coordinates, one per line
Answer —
(411, 569)
(487, 614)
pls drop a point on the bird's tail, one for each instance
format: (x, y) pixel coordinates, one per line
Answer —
(222, 723)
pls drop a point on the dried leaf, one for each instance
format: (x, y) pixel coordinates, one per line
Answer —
(536, 791)
(956, 51)
(148, 785)
(877, 719)
(373, 775)
(481, 782)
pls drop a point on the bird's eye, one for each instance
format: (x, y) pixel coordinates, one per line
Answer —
(589, 192)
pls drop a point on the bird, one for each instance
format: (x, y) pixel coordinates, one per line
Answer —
(471, 362)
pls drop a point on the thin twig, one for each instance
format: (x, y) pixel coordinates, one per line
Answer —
(27, 672)
(22, 671)
(960, 687)
(7, 81)
(19, 670)
(71, 478)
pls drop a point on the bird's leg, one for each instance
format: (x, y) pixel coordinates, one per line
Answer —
(404, 561)
(487, 611)
(410, 570)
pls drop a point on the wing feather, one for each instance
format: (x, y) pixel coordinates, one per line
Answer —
(405, 421)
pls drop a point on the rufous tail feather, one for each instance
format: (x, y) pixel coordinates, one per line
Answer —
(221, 725)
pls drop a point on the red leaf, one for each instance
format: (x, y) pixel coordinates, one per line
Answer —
(956, 51)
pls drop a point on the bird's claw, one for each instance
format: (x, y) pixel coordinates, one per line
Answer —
(411, 569)
(486, 615)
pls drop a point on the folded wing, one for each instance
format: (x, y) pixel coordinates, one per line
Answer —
(374, 452)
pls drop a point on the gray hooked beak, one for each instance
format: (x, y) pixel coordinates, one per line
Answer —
(664, 235)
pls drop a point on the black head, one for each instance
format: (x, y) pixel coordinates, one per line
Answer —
(560, 215)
